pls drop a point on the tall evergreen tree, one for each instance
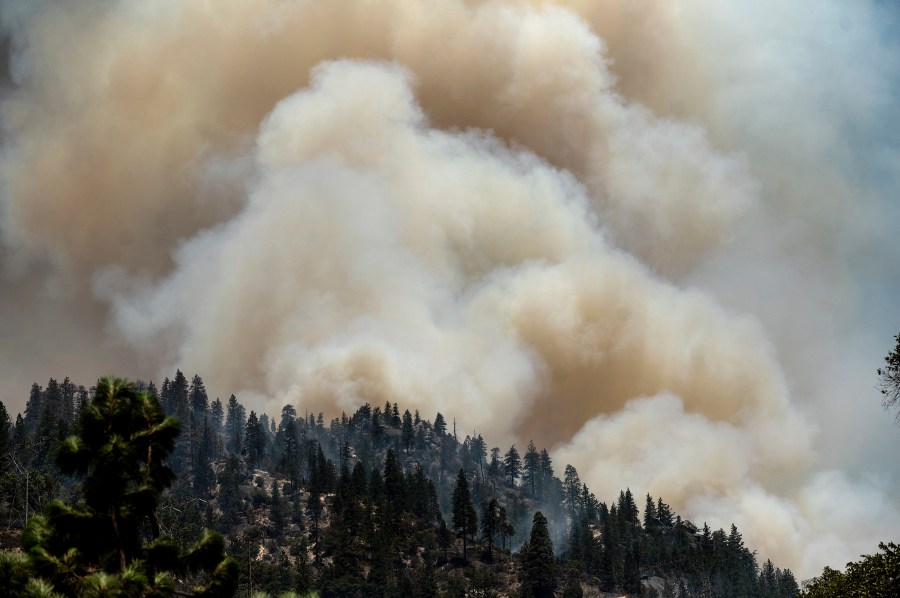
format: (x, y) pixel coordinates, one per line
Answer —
(255, 441)
(490, 525)
(394, 487)
(512, 464)
(538, 564)
(6, 436)
(217, 417)
(571, 490)
(532, 471)
(440, 425)
(33, 409)
(464, 516)
(198, 398)
(234, 426)
(495, 464)
(650, 521)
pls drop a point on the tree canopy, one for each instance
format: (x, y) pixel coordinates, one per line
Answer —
(120, 454)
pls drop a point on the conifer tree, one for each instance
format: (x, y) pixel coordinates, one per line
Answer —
(120, 451)
(512, 464)
(198, 398)
(650, 520)
(572, 490)
(490, 525)
(408, 432)
(33, 409)
(229, 498)
(6, 436)
(494, 465)
(663, 514)
(277, 511)
(217, 416)
(234, 426)
(394, 487)
(443, 537)
(506, 527)
(464, 517)
(440, 426)
(538, 563)
(204, 478)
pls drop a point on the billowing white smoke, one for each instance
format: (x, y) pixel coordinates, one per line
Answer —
(513, 213)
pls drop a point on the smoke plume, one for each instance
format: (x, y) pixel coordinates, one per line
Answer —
(649, 236)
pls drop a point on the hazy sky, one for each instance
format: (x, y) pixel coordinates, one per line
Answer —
(657, 237)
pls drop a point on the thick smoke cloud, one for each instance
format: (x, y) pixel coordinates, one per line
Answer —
(630, 231)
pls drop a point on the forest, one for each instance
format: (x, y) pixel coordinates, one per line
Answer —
(139, 489)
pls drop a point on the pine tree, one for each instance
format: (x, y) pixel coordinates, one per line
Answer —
(440, 426)
(408, 433)
(229, 497)
(198, 398)
(571, 490)
(6, 436)
(768, 582)
(663, 514)
(217, 423)
(464, 517)
(532, 471)
(494, 466)
(33, 409)
(377, 428)
(120, 451)
(443, 537)
(650, 521)
(512, 464)
(255, 441)
(538, 563)
(19, 436)
(506, 527)
(490, 525)
(394, 487)
(788, 587)
(234, 426)
(204, 477)
(180, 410)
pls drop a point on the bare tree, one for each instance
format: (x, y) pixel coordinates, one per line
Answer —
(889, 379)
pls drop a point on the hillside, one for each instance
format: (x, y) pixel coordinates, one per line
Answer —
(387, 502)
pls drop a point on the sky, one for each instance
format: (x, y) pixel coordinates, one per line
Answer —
(657, 237)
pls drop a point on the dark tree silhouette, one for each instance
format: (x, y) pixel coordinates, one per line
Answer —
(889, 379)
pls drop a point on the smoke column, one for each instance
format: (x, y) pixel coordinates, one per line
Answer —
(655, 237)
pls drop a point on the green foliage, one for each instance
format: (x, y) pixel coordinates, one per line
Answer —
(368, 527)
(99, 549)
(875, 576)
(538, 564)
(512, 464)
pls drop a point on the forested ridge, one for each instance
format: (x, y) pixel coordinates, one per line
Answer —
(380, 502)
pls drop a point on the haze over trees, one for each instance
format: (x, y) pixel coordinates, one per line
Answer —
(380, 501)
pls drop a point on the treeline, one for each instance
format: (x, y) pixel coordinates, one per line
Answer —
(384, 501)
